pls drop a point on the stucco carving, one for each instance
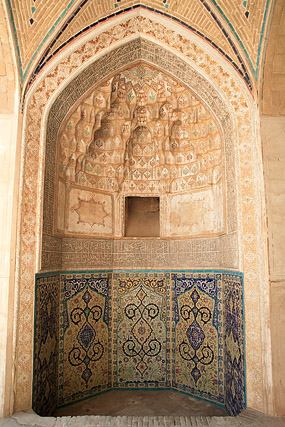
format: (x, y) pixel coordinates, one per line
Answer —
(141, 132)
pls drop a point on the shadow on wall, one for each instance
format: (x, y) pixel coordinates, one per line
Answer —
(95, 331)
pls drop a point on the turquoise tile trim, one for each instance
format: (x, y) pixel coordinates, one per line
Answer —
(254, 70)
(16, 40)
(23, 73)
(46, 56)
(49, 273)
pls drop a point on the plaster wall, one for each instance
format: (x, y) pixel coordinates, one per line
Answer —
(7, 257)
(272, 110)
(273, 90)
(273, 137)
(8, 209)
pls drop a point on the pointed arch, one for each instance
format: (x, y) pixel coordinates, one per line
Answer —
(204, 72)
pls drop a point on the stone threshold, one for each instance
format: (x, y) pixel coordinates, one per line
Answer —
(249, 417)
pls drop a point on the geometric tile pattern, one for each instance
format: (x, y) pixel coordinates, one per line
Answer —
(244, 30)
(234, 358)
(198, 343)
(95, 331)
(141, 330)
(46, 344)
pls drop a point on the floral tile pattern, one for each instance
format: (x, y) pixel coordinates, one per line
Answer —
(198, 347)
(46, 344)
(84, 335)
(141, 330)
(95, 331)
(234, 363)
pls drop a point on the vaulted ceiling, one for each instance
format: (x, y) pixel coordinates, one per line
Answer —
(236, 28)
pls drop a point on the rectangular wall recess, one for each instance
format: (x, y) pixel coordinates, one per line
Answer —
(142, 217)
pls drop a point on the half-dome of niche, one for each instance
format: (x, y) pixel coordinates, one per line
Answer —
(140, 133)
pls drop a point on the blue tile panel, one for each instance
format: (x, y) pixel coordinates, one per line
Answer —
(198, 343)
(46, 344)
(141, 319)
(84, 336)
(234, 357)
(98, 330)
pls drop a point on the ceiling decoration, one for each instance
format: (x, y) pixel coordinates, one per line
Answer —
(141, 131)
(34, 23)
(235, 28)
(247, 19)
(212, 27)
(272, 97)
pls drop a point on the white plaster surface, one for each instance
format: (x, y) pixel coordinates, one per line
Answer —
(7, 154)
(7, 170)
(273, 139)
(4, 290)
(89, 212)
(193, 214)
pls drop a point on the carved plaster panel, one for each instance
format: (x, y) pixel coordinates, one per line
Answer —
(88, 212)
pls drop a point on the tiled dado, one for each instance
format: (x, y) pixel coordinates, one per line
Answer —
(97, 330)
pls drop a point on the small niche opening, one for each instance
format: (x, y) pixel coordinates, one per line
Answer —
(142, 216)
